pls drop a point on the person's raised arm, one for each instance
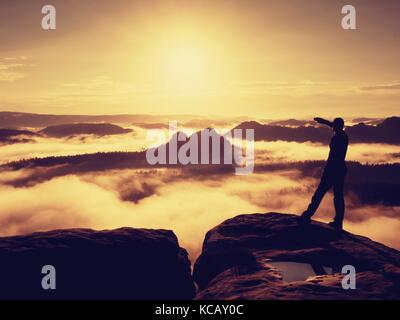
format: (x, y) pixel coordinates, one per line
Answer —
(324, 121)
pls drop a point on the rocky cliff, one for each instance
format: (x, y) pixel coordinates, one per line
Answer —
(118, 264)
(270, 256)
(256, 256)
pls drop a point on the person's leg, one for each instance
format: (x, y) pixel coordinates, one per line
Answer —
(339, 199)
(323, 187)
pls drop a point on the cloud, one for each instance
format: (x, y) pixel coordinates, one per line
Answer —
(188, 201)
(310, 87)
(286, 151)
(379, 228)
(294, 87)
(11, 69)
(372, 184)
(265, 152)
(382, 87)
(46, 147)
(188, 208)
(282, 84)
(172, 199)
(102, 89)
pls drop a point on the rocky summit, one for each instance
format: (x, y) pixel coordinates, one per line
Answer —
(252, 256)
(124, 263)
(272, 256)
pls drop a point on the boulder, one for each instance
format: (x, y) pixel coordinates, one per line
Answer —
(272, 256)
(124, 263)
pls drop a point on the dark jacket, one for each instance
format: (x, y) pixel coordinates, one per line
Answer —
(337, 154)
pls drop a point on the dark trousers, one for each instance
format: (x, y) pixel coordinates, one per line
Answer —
(330, 178)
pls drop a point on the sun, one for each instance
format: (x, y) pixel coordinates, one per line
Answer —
(185, 66)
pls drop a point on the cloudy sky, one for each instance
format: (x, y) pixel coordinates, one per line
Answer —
(265, 59)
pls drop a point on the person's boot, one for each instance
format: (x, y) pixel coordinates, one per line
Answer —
(305, 218)
(337, 225)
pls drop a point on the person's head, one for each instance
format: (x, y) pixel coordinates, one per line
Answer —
(338, 124)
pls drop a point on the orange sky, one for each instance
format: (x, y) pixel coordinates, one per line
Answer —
(262, 59)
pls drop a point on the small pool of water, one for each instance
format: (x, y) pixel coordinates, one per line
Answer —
(296, 271)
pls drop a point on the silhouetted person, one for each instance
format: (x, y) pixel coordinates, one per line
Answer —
(334, 174)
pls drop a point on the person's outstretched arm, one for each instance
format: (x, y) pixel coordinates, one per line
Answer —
(323, 121)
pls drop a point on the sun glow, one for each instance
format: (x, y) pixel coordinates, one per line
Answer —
(185, 67)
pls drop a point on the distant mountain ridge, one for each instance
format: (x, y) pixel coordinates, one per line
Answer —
(386, 131)
(99, 129)
(22, 119)
(9, 136)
